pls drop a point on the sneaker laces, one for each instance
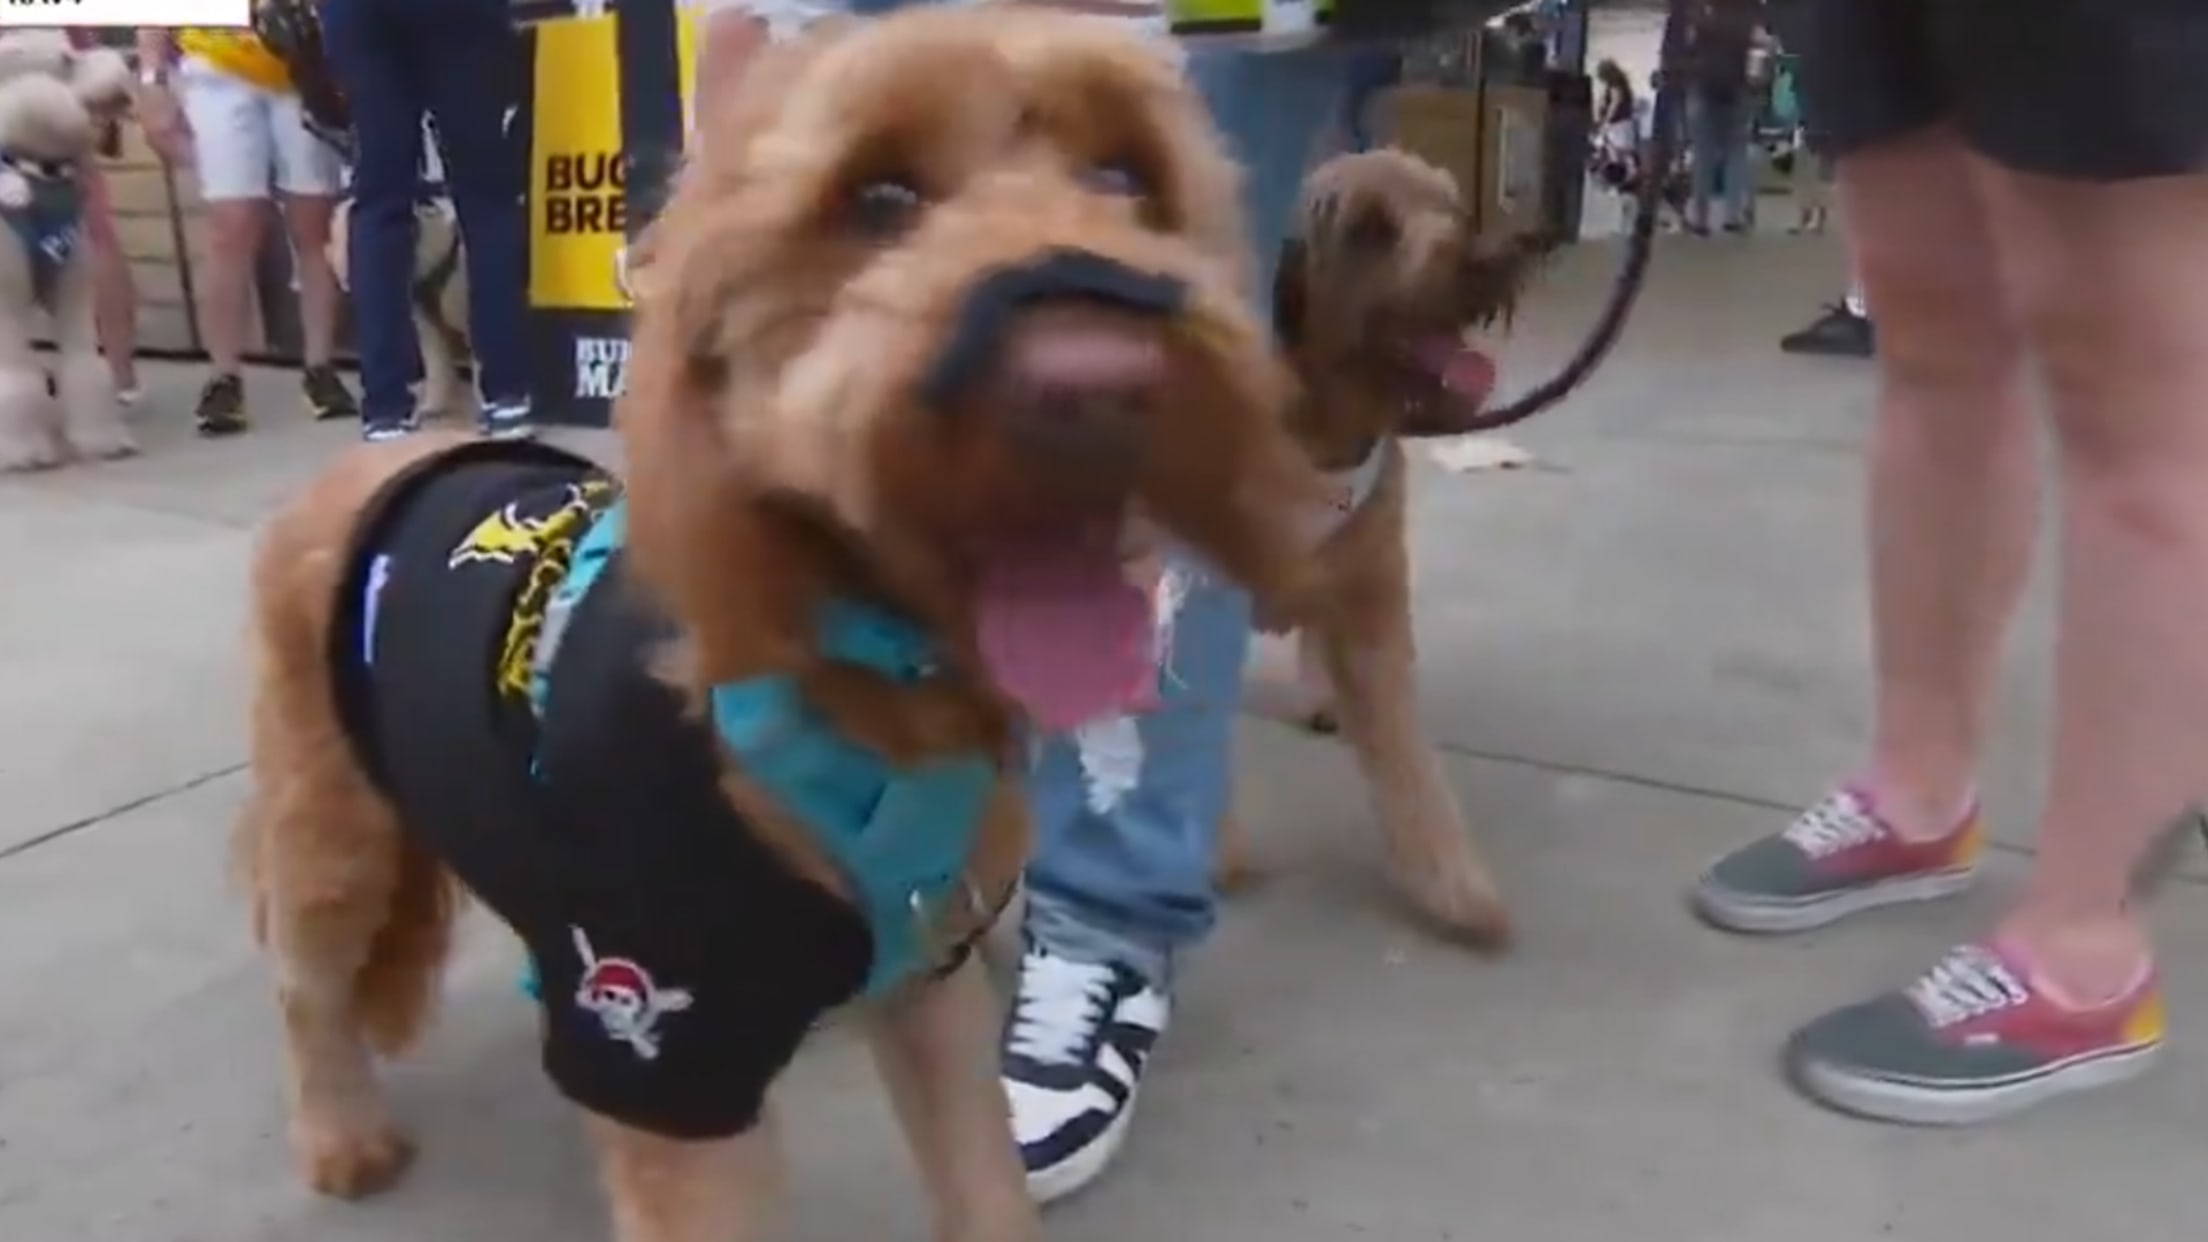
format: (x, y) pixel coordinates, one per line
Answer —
(1059, 1009)
(1971, 983)
(1840, 822)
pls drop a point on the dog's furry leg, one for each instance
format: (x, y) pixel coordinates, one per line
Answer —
(936, 1047)
(440, 370)
(1297, 696)
(91, 416)
(669, 1190)
(357, 919)
(1233, 862)
(30, 438)
(1430, 851)
(333, 878)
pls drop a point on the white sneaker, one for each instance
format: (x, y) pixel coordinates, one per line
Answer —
(1075, 1045)
(507, 420)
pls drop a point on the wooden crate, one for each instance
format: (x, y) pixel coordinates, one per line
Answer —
(1494, 142)
(1444, 126)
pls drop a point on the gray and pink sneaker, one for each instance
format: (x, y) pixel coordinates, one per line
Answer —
(1837, 858)
(1973, 1039)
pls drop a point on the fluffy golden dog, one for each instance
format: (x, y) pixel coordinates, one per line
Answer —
(440, 300)
(53, 99)
(1376, 294)
(948, 358)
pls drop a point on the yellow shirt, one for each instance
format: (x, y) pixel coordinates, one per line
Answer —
(238, 53)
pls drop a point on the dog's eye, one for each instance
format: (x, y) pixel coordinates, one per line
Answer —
(1117, 178)
(1372, 230)
(885, 207)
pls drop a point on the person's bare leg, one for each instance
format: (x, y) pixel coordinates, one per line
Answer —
(225, 282)
(115, 310)
(1953, 478)
(1954, 475)
(307, 220)
(2107, 278)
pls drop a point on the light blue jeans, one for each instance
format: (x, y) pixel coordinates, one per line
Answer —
(1719, 136)
(1125, 816)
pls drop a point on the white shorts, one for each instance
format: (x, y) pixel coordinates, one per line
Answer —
(246, 138)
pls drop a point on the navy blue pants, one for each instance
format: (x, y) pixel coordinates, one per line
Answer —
(461, 63)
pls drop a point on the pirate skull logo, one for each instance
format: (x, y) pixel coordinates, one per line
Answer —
(624, 998)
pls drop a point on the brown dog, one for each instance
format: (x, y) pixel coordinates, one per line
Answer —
(439, 297)
(1375, 295)
(915, 373)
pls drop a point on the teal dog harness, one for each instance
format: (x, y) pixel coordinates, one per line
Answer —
(898, 836)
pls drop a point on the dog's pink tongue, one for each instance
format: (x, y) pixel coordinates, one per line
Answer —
(1461, 368)
(1065, 633)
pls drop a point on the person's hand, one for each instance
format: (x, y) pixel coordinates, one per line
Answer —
(163, 120)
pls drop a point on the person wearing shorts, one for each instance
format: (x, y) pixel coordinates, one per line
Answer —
(2023, 188)
(219, 101)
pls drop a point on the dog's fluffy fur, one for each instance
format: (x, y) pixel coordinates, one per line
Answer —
(776, 453)
(439, 300)
(52, 100)
(1382, 259)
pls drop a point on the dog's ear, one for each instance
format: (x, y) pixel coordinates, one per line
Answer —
(696, 537)
(1291, 292)
(1494, 273)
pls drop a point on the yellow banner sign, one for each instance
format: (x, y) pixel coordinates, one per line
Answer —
(578, 191)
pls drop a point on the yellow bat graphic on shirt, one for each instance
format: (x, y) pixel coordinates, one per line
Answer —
(506, 535)
(502, 537)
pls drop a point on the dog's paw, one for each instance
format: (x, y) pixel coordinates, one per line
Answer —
(1234, 871)
(19, 453)
(1461, 902)
(353, 1164)
(102, 443)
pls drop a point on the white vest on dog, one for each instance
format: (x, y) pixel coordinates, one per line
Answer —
(1351, 488)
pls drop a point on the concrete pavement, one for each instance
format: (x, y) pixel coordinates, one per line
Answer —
(1638, 653)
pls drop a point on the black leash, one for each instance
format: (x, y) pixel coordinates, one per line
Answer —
(1625, 291)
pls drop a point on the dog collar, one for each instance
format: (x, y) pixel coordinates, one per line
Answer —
(38, 169)
(1350, 489)
(899, 836)
(46, 214)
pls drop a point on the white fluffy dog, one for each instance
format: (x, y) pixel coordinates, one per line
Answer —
(52, 100)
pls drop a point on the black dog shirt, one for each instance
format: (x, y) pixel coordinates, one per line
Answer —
(679, 961)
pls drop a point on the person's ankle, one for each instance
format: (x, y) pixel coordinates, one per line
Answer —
(2081, 961)
(1918, 809)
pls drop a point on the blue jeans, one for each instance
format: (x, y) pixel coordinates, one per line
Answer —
(1718, 134)
(1125, 811)
(1371, 72)
(461, 62)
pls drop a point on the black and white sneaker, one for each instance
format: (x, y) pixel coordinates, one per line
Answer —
(507, 420)
(1074, 1049)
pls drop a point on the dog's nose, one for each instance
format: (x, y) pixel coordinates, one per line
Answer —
(1066, 349)
(1002, 298)
(1071, 383)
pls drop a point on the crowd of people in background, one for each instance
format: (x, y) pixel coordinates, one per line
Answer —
(226, 106)
(220, 103)
(1740, 116)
